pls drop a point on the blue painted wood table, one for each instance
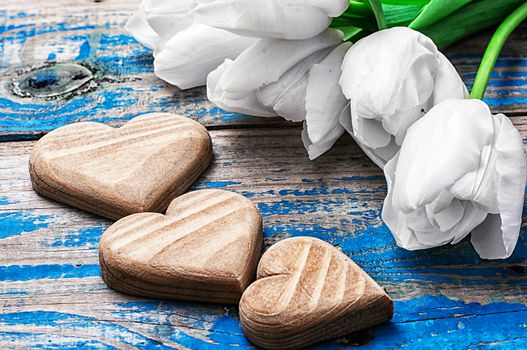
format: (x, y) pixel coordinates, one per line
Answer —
(51, 294)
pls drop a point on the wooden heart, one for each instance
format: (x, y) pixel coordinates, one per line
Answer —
(307, 291)
(112, 172)
(205, 248)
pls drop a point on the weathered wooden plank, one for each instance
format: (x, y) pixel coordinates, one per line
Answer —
(91, 34)
(34, 35)
(51, 292)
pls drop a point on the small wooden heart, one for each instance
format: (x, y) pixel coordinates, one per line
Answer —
(112, 172)
(307, 291)
(205, 248)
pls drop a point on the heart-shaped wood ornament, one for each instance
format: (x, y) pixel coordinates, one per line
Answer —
(206, 248)
(307, 291)
(111, 172)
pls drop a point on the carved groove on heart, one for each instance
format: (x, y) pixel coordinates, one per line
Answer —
(205, 248)
(111, 172)
(306, 292)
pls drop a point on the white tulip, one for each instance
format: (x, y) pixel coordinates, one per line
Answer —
(295, 79)
(291, 19)
(184, 52)
(459, 169)
(392, 78)
(268, 74)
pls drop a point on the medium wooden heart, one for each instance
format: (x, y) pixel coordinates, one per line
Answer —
(307, 292)
(205, 248)
(138, 167)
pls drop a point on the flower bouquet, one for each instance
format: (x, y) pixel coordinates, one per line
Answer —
(373, 69)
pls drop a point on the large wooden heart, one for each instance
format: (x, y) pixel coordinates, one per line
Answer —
(308, 291)
(205, 248)
(112, 172)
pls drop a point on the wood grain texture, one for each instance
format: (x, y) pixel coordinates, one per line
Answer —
(306, 292)
(51, 293)
(35, 35)
(51, 290)
(138, 167)
(205, 248)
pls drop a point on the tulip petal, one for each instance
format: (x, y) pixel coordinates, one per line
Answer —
(324, 98)
(192, 54)
(370, 132)
(390, 70)
(325, 104)
(448, 83)
(404, 236)
(138, 27)
(397, 124)
(474, 215)
(432, 146)
(380, 155)
(245, 103)
(290, 105)
(416, 229)
(496, 237)
(332, 8)
(287, 95)
(315, 150)
(448, 216)
(268, 59)
(269, 18)
(426, 234)
(168, 17)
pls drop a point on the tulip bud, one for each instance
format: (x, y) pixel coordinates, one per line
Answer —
(268, 75)
(295, 79)
(292, 19)
(459, 169)
(392, 78)
(184, 52)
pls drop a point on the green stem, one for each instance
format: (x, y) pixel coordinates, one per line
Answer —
(493, 50)
(376, 7)
(359, 8)
(406, 2)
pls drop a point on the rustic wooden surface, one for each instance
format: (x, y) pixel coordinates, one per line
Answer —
(51, 292)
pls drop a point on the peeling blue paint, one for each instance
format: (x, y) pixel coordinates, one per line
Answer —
(215, 184)
(13, 223)
(4, 200)
(44, 340)
(84, 51)
(79, 324)
(228, 332)
(47, 271)
(420, 323)
(14, 293)
(86, 238)
(479, 330)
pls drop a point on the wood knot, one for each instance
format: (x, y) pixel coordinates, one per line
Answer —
(52, 80)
